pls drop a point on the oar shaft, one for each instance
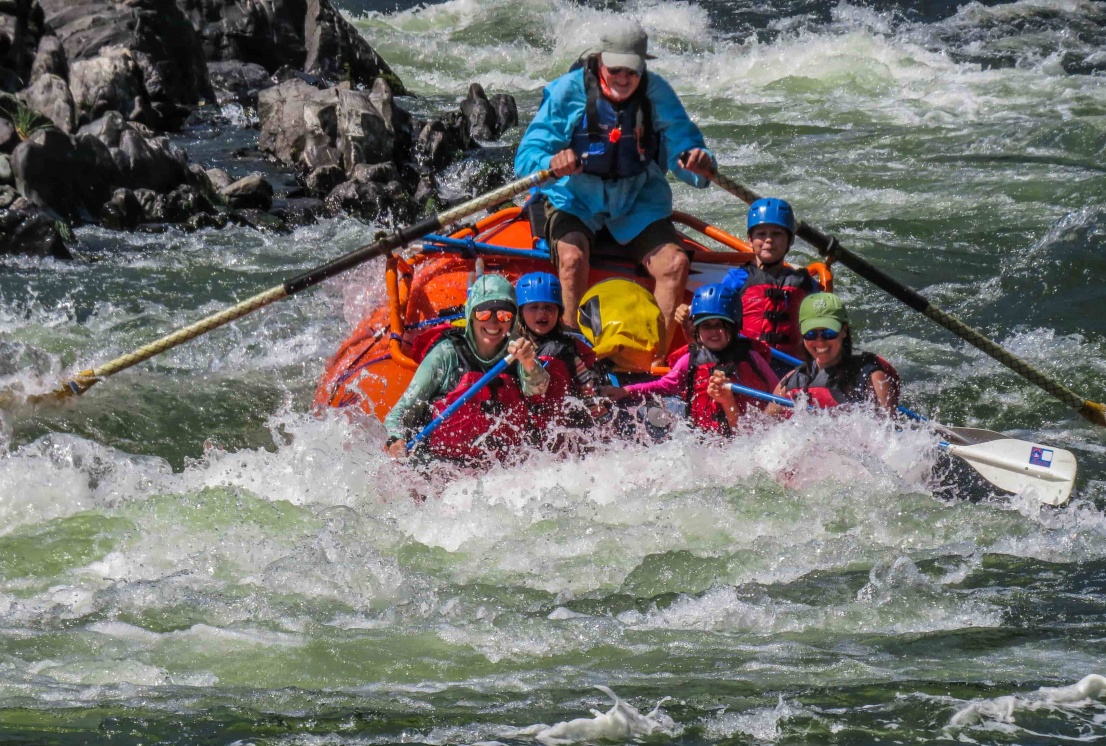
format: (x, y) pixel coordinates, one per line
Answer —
(829, 247)
(85, 379)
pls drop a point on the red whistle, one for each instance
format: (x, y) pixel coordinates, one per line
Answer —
(615, 135)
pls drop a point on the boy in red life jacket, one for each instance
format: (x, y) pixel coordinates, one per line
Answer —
(770, 292)
(833, 373)
(569, 361)
(716, 357)
(496, 420)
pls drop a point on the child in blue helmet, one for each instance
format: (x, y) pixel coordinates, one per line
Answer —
(770, 292)
(717, 356)
(569, 361)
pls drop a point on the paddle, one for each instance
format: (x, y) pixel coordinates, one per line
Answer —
(829, 247)
(1008, 463)
(449, 411)
(87, 378)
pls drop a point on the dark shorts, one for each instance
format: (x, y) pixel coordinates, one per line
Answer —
(559, 224)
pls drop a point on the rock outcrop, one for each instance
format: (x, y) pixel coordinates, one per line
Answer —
(308, 35)
(139, 57)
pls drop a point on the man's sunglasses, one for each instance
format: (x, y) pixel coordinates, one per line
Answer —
(502, 314)
(623, 71)
(826, 334)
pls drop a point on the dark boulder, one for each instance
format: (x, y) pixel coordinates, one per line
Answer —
(36, 165)
(9, 138)
(506, 111)
(22, 26)
(49, 95)
(323, 179)
(240, 82)
(357, 198)
(31, 232)
(299, 210)
(50, 59)
(123, 212)
(249, 192)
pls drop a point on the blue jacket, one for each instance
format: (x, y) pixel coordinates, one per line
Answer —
(624, 206)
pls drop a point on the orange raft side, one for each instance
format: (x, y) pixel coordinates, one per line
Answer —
(373, 367)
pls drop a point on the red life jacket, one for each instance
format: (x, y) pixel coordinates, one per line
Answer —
(847, 383)
(705, 413)
(558, 353)
(492, 422)
(770, 307)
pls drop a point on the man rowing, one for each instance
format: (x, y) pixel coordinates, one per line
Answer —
(610, 131)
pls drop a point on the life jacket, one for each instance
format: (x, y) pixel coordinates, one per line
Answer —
(492, 422)
(847, 383)
(615, 141)
(558, 352)
(705, 413)
(770, 307)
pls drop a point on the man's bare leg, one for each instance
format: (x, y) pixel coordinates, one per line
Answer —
(669, 266)
(573, 263)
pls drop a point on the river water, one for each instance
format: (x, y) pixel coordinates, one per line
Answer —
(189, 556)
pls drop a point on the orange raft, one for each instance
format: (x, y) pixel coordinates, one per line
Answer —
(373, 366)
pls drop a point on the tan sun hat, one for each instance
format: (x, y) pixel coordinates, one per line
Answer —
(625, 44)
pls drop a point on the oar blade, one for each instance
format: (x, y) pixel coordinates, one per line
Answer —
(1019, 466)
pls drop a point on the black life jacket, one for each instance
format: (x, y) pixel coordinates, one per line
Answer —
(615, 141)
(850, 382)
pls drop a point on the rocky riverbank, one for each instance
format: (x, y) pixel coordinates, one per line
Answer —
(91, 94)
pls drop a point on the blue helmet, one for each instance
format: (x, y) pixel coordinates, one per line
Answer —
(772, 211)
(712, 302)
(539, 287)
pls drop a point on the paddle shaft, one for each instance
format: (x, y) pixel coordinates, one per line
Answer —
(830, 248)
(449, 411)
(87, 378)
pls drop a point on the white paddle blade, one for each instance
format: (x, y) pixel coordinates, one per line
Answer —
(1017, 465)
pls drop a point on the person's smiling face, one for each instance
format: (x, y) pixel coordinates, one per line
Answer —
(826, 352)
(621, 81)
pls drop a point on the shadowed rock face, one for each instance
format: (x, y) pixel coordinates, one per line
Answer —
(310, 35)
(108, 75)
(142, 57)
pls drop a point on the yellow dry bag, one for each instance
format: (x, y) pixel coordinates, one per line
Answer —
(623, 323)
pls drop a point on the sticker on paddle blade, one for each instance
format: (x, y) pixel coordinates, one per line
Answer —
(1041, 457)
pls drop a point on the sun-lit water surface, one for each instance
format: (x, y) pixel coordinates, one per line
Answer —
(189, 556)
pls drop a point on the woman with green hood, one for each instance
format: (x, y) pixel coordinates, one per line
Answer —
(493, 421)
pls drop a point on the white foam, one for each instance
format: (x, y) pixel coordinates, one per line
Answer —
(1084, 693)
(622, 722)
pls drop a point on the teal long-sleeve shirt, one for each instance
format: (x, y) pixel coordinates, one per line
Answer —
(439, 373)
(625, 206)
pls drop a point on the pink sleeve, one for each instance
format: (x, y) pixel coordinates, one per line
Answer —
(672, 384)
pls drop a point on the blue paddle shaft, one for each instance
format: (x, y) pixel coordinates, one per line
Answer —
(452, 408)
(762, 395)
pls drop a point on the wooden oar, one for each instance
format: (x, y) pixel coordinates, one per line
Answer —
(1008, 463)
(829, 247)
(448, 412)
(87, 378)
